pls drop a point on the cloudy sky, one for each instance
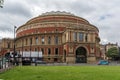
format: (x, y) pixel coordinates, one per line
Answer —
(105, 14)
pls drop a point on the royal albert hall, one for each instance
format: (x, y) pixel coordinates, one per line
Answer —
(60, 37)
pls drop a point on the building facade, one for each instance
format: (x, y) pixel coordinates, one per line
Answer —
(61, 37)
(111, 45)
(6, 45)
(103, 51)
(104, 48)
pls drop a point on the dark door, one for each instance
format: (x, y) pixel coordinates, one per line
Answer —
(81, 55)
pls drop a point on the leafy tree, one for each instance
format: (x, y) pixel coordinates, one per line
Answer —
(113, 52)
(1, 3)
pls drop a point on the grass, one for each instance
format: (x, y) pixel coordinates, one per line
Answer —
(62, 73)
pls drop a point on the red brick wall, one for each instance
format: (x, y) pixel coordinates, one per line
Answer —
(40, 30)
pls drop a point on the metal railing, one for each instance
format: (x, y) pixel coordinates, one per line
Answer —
(5, 64)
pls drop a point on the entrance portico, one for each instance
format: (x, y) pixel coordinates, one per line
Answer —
(81, 55)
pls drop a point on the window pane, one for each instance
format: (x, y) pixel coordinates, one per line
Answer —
(30, 40)
(43, 40)
(75, 36)
(42, 50)
(49, 51)
(36, 40)
(49, 40)
(35, 49)
(56, 51)
(86, 37)
(81, 36)
(26, 41)
(56, 40)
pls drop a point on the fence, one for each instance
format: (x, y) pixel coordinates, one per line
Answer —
(5, 64)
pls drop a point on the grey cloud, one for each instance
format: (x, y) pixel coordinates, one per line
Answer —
(103, 17)
(102, 13)
(81, 8)
(16, 9)
(7, 22)
(6, 28)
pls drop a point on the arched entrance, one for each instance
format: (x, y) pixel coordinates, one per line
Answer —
(81, 55)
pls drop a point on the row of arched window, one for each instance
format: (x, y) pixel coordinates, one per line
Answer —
(49, 51)
(43, 40)
(81, 36)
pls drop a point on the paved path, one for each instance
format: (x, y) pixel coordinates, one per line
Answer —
(6, 68)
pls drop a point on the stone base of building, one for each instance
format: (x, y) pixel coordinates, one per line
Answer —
(91, 60)
(70, 60)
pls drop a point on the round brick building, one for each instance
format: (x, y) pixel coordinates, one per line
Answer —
(60, 37)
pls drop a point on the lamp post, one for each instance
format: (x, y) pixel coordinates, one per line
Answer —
(2, 60)
(30, 46)
(22, 47)
(14, 47)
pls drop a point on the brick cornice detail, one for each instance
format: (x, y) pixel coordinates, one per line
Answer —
(40, 30)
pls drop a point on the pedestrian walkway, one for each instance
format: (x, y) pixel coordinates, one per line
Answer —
(5, 69)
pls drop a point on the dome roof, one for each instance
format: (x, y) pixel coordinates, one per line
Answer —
(57, 13)
(55, 17)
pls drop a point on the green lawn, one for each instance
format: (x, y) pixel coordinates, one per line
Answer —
(62, 73)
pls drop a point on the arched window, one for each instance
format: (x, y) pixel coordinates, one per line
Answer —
(56, 39)
(75, 36)
(49, 40)
(26, 41)
(42, 50)
(30, 40)
(25, 49)
(49, 51)
(35, 49)
(56, 51)
(86, 37)
(80, 36)
(43, 40)
(36, 40)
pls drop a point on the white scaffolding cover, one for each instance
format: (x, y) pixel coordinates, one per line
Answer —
(31, 54)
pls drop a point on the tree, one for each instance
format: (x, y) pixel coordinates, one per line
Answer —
(113, 52)
(1, 3)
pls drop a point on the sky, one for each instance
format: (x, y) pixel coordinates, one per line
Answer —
(104, 14)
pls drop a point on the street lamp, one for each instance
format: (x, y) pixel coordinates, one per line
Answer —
(14, 47)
